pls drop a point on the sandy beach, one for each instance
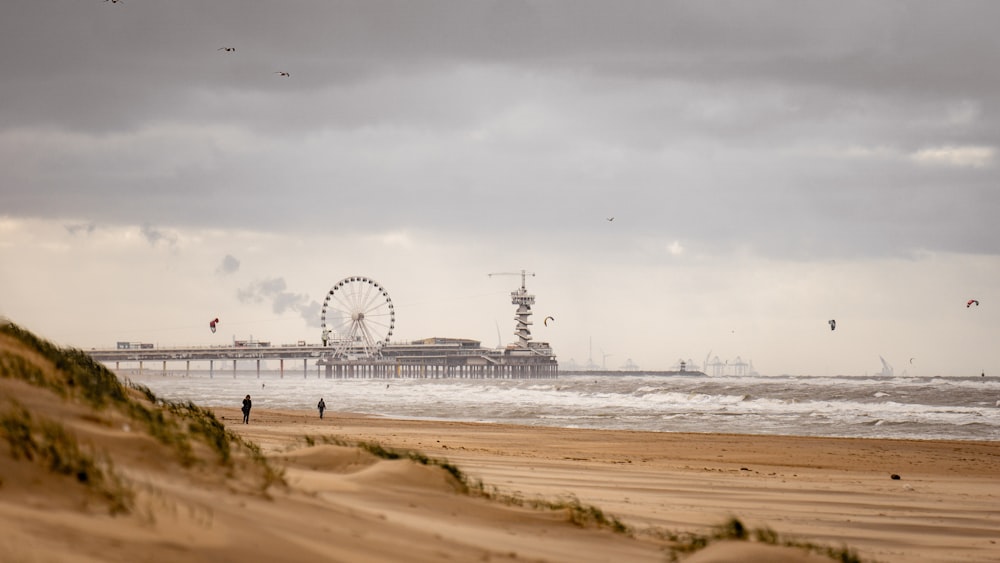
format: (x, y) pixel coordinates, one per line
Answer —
(945, 506)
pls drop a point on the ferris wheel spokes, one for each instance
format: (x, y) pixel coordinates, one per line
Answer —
(361, 316)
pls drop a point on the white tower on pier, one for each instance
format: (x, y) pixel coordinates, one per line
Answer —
(524, 301)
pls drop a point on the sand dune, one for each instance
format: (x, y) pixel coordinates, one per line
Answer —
(825, 491)
(174, 482)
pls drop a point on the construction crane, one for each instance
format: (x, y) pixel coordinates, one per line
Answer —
(522, 273)
(524, 301)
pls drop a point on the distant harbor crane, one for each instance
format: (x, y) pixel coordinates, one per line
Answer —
(630, 365)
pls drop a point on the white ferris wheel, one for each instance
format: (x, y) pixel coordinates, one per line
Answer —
(357, 318)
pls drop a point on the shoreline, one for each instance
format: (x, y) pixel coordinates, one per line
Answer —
(832, 491)
(901, 409)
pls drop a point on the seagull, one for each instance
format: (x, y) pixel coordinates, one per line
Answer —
(114, 1)
(611, 219)
(283, 73)
(226, 49)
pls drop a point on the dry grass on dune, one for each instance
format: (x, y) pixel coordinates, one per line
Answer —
(93, 470)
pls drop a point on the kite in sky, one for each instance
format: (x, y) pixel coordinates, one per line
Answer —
(971, 301)
(547, 319)
(212, 323)
(833, 324)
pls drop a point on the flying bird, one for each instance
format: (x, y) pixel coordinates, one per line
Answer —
(283, 73)
(610, 219)
(226, 49)
(833, 324)
(114, 1)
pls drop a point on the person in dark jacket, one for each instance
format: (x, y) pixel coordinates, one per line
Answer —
(246, 410)
(321, 406)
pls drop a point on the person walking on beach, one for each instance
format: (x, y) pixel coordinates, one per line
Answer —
(321, 406)
(246, 410)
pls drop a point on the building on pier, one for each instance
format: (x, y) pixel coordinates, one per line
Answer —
(446, 358)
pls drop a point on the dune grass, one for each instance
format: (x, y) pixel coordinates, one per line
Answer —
(733, 529)
(74, 376)
(76, 373)
(48, 444)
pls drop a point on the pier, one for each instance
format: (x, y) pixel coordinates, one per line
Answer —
(439, 358)
(431, 358)
(357, 321)
(221, 356)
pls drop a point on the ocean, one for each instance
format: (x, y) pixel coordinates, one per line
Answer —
(924, 408)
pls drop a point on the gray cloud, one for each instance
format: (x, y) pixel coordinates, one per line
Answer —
(81, 228)
(155, 236)
(798, 130)
(229, 265)
(274, 291)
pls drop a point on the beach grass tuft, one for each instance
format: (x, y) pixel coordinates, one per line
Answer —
(75, 375)
(47, 443)
(76, 372)
(685, 543)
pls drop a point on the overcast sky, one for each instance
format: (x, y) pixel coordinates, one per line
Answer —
(769, 166)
